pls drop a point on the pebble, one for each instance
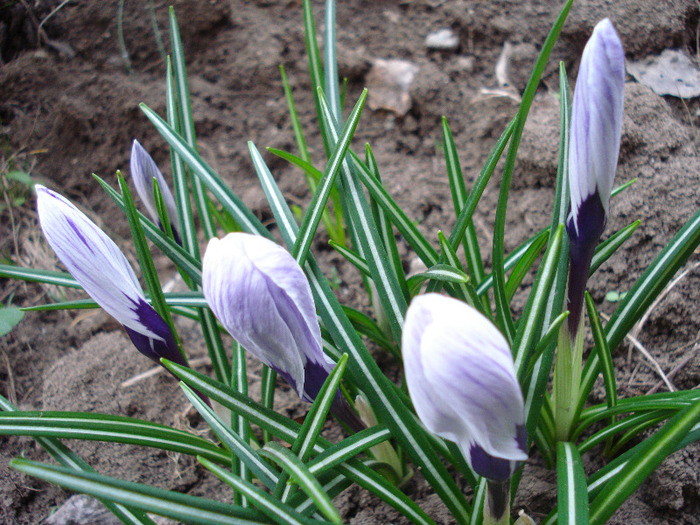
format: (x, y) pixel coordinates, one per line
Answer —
(443, 39)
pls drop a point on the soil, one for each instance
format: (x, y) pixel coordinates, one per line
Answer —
(69, 108)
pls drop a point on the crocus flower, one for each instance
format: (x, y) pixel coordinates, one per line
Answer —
(261, 296)
(104, 273)
(143, 171)
(594, 145)
(462, 382)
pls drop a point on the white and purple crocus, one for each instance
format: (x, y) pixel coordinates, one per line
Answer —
(143, 170)
(95, 261)
(462, 382)
(261, 296)
(594, 146)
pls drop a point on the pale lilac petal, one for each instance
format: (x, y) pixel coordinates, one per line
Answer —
(255, 309)
(143, 170)
(104, 273)
(462, 382)
(596, 119)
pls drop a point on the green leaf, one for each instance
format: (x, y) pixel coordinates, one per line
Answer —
(641, 465)
(70, 459)
(439, 272)
(288, 431)
(317, 206)
(181, 507)
(10, 316)
(109, 428)
(296, 469)
(571, 486)
(642, 294)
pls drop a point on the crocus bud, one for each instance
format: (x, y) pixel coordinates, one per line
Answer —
(462, 382)
(261, 296)
(104, 273)
(594, 146)
(143, 171)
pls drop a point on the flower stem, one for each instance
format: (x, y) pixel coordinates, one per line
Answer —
(567, 379)
(497, 503)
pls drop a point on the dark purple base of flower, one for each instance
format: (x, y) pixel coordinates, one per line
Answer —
(582, 245)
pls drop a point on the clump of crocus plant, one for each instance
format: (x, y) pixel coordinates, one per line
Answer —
(99, 266)
(594, 145)
(261, 296)
(462, 381)
(143, 170)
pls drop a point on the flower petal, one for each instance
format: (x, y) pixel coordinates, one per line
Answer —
(596, 120)
(143, 170)
(261, 296)
(462, 381)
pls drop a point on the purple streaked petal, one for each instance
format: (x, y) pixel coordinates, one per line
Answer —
(92, 258)
(591, 223)
(143, 170)
(163, 345)
(596, 120)
(259, 311)
(490, 467)
(461, 378)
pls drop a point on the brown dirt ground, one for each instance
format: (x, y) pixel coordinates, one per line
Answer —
(69, 108)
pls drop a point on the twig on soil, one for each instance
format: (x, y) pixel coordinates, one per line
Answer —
(11, 390)
(654, 363)
(679, 366)
(159, 369)
(642, 321)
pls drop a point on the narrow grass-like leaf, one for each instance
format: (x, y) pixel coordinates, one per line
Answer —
(386, 230)
(107, 427)
(641, 465)
(181, 507)
(330, 69)
(610, 245)
(315, 70)
(532, 319)
(623, 425)
(317, 206)
(70, 459)
(233, 441)
(389, 291)
(187, 121)
(264, 502)
(367, 327)
(245, 218)
(352, 257)
(642, 294)
(298, 472)
(440, 272)
(148, 268)
(465, 290)
(267, 394)
(535, 382)
(424, 250)
(347, 448)
(9, 271)
(503, 313)
(603, 353)
(294, 118)
(465, 216)
(313, 424)
(524, 265)
(288, 430)
(572, 496)
(458, 189)
(183, 260)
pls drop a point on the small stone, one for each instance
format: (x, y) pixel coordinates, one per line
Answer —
(670, 73)
(82, 509)
(388, 82)
(443, 40)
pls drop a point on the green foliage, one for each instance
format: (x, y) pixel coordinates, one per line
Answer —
(272, 483)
